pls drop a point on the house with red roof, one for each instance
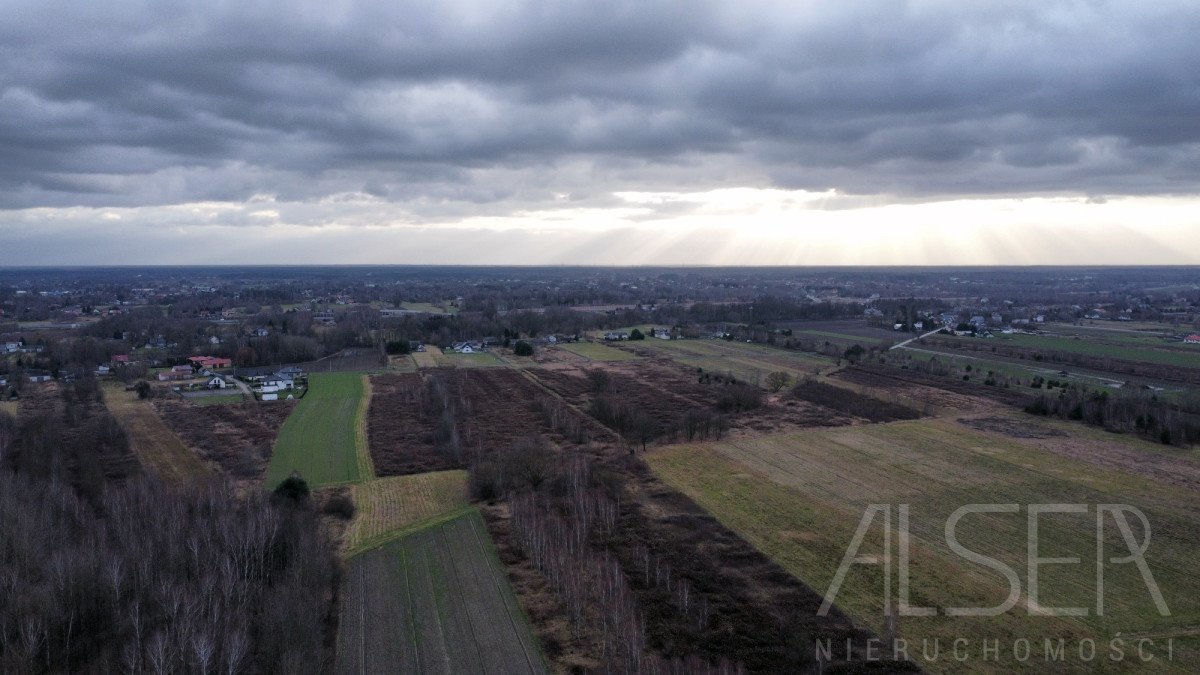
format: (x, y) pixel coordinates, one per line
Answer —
(1192, 339)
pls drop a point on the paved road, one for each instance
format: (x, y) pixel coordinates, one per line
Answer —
(245, 389)
(905, 343)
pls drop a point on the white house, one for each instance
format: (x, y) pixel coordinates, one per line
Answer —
(216, 383)
(270, 397)
(278, 383)
(3, 381)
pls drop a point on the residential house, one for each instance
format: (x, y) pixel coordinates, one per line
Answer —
(37, 376)
(103, 370)
(3, 381)
(176, 373)
(292, 372)
(260, 332)
(1192, 339)
(615, 336)
(216, 382)
(277, 382)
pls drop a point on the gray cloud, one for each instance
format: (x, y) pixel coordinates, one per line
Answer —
(454, 108)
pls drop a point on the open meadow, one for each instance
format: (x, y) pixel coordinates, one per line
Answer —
(324, 438)
(800, 497)
(435, 601)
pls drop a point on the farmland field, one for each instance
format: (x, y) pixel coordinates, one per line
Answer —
(387, 506)
(428, 358)
(748, 362)
(596, 351)
(158, 449)
(1179, 355)
(477, 360)
(237, 437)
(799, 499)
(324, 438)
(429, 307)
(10, 407)
(216, 400)
(435, 601)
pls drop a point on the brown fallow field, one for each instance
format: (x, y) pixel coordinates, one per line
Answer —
(705, 597)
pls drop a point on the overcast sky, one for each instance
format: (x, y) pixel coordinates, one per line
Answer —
(599, 132)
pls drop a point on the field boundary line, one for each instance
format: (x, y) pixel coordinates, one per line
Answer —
(366, 467)
(379, 541)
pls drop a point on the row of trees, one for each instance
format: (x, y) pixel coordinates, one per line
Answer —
(1140, 414)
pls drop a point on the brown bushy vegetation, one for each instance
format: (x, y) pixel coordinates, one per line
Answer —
(238, 437)
(450, 417)
(851, 403)
(642, 579)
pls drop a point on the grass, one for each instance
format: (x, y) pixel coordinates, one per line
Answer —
(428, 358)
(799, 499)
(436, 600)
(324, 438)
(1181, 356)
(597, 352)
(477, 360)
(217, 400)
(428, 307)
(747, 361)
(158, 449)
(10, 407)
(403, 363)
(387, 506)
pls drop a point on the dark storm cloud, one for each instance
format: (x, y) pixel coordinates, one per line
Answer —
(447, 105)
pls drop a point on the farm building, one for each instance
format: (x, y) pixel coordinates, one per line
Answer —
(213, 362)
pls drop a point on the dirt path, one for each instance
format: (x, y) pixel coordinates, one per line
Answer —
(158, 449)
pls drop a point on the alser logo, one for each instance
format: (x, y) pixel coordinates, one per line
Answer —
(1106, 515)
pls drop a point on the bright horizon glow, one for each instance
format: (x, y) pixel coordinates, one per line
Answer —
(735, 226)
